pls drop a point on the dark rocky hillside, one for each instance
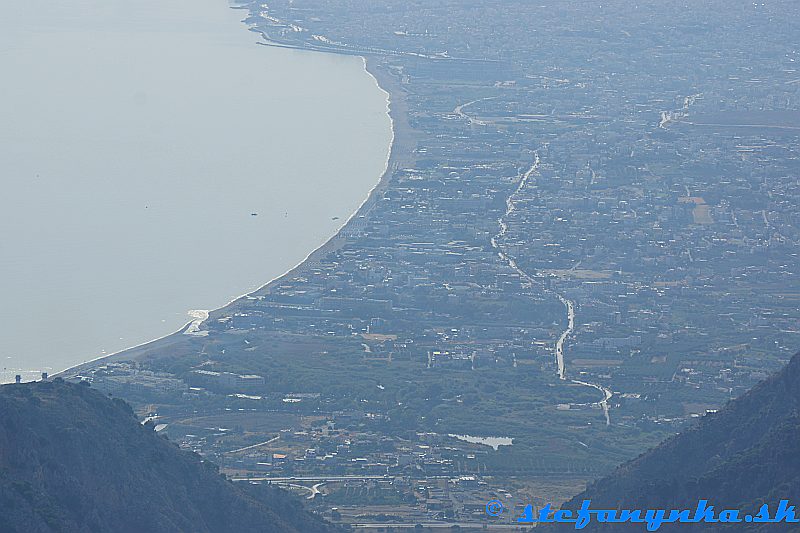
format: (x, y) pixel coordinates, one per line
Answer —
(72, 459)
(743, 456)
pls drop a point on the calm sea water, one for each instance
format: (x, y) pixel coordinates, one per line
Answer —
(137, 141)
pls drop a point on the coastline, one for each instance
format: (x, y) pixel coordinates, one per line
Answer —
(401, 139)
(337, 239)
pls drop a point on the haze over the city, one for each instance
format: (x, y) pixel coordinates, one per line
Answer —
(572, 288)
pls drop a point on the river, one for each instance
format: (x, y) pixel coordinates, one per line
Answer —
(154, 160)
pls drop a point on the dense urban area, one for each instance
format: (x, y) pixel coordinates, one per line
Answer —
(587, 236)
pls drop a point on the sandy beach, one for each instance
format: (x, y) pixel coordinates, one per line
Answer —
(400, 153)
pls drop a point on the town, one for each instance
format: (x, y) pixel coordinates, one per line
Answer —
(584, 240)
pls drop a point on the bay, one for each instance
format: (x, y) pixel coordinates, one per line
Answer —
(153, 160)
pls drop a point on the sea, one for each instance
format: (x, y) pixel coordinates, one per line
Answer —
(155, 160)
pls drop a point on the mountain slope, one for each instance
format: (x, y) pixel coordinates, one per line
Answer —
(743, 456)
(72, 459)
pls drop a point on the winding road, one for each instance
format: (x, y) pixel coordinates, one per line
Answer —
(568, 304)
